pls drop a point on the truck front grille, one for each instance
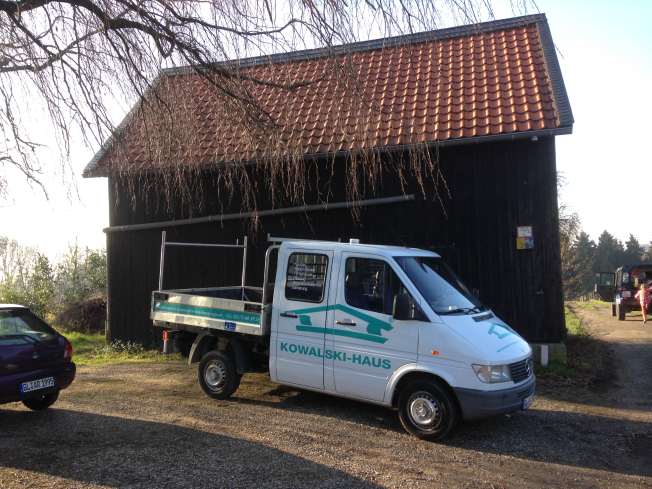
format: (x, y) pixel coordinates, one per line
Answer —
(521, 370)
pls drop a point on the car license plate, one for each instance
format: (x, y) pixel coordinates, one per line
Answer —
(38, 384)
(527, 402)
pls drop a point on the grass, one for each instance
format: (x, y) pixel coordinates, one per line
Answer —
(557, 369)
(587, 361)
(92, 349)
(592, 304)
(574, 324)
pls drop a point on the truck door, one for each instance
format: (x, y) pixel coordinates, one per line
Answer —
(302, 313)
(365, 345)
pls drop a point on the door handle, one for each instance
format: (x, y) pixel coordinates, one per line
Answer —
(345, 323)
(288, 315)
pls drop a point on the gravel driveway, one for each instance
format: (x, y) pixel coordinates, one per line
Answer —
(151, 426)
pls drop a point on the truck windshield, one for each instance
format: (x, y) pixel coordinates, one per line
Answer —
(439, 286)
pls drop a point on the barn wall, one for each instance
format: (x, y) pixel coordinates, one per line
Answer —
(493, 187)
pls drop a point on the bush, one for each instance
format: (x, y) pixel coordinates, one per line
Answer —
(87, 316)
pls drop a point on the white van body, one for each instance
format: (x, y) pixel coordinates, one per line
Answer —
(333, 327)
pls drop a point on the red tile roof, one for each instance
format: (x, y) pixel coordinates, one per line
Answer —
(492, 80)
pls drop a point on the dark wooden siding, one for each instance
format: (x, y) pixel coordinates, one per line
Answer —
(494, 187)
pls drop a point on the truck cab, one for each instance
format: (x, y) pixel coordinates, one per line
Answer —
(382, 324)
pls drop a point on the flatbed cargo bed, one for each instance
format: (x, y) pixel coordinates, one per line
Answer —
(235, 309)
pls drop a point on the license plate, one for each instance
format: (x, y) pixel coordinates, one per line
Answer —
(527, 402)
(38, 384)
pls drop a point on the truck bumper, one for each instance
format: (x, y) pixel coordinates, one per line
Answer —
(477, 404)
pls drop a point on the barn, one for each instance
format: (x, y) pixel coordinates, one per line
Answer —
(483, 102)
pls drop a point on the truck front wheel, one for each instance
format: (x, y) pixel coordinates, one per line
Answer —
(427, 410)
(217, 374)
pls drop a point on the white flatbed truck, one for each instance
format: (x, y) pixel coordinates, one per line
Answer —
(382, 324)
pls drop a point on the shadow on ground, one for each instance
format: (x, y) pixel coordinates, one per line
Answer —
(559, 437)
(119, 452)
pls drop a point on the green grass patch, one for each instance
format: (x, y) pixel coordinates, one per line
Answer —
(574, 324)
(577, 334)
(588, 360)
(92, 349)
(592, 304)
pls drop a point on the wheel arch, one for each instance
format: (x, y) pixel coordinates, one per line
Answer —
(409, 375)
(234, 346)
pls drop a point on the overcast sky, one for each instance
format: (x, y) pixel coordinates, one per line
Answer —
(605, 54)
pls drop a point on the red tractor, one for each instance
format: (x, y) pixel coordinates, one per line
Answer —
(620, 287)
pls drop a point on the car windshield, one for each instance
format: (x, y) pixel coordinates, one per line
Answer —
(439, 286)
(20, 325)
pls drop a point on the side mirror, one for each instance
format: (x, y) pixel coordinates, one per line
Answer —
(403, 307)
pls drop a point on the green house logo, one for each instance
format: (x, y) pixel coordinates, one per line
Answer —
(375, 326)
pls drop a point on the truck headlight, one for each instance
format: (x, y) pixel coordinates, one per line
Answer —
(492, 374)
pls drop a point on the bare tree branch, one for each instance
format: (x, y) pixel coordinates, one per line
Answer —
(77, 58)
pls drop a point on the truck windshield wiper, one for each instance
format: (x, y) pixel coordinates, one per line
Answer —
(460, 310)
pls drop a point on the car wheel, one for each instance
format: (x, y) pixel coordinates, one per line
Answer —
(427, 410)
(620, 312)
(217, 374)
(41, 402)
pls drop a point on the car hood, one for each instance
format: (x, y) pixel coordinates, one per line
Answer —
(492, 340)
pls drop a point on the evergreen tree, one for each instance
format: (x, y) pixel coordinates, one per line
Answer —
(40, 286)
(633, 251)
(577, 270)
(609, 254)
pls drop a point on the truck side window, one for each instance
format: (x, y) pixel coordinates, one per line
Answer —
(370, 285)
(306, 276)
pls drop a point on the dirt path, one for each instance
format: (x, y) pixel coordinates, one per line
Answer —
(150, 425)
(631, 345)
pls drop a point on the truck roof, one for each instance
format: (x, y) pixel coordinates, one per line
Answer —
(384, 250)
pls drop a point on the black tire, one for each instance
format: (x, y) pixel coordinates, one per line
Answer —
(217, 375)
(613, 309)
(419, 398)
(620, 312)
(41, 402)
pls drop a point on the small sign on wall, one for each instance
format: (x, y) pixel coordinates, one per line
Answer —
(524, 238)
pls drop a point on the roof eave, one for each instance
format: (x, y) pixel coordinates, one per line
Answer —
(532, 135)
(554, 72)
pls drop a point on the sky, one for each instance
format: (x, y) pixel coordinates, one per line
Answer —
(605, 52)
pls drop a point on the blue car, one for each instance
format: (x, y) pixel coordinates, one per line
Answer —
(35, 361)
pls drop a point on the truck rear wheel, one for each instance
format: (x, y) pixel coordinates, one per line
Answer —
(620, 312)
(427, 410)
(217, 374)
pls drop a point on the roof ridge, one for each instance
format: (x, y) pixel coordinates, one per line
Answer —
(371, 45)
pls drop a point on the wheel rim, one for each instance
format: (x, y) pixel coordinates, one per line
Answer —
(425, 411)
(215, 375)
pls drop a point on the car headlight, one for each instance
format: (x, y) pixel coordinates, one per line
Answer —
(492, 374)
